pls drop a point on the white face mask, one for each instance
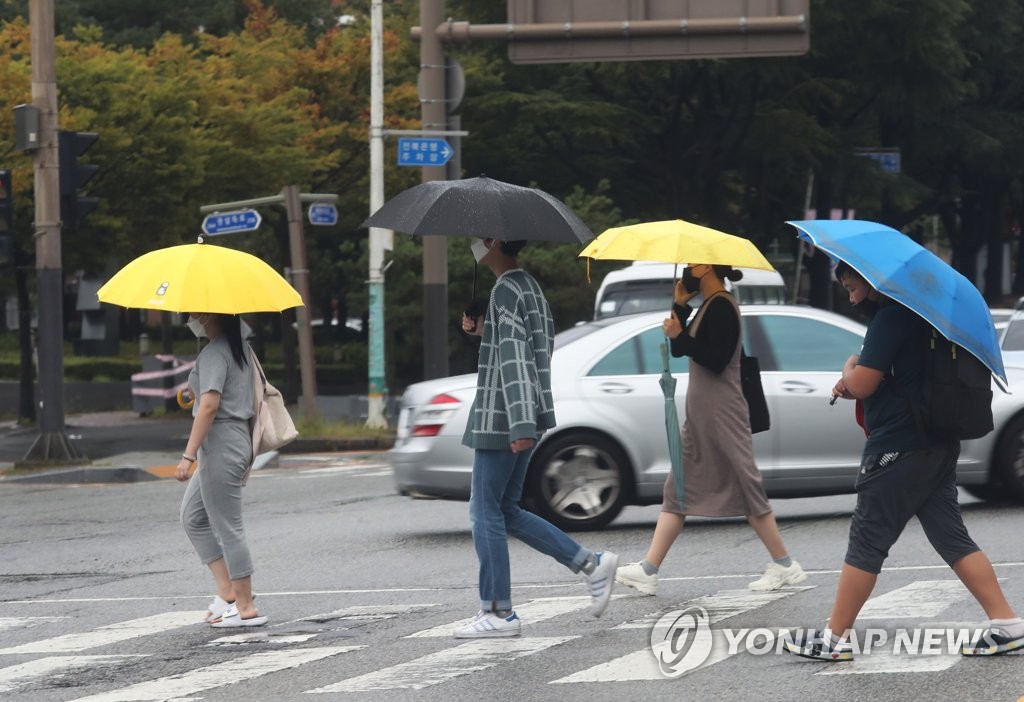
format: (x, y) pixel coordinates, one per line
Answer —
(479, 248)
(196, 327)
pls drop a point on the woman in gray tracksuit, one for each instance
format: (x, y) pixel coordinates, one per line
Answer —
(221, 442)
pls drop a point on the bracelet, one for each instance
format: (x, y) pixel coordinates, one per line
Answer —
(191, 459)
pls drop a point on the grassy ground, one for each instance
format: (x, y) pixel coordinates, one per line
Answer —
(319, 428)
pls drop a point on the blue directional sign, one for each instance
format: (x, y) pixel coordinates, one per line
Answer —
(887, 159)
(424, 151)
(231, 222)
(323, 214)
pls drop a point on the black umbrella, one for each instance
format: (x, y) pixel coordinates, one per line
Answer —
(482, 207)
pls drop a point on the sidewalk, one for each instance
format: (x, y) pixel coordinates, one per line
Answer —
(124, 447)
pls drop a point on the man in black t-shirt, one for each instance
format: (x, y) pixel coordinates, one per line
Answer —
(903, 473)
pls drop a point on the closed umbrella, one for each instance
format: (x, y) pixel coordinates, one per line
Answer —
(897, 266)
(675, 442)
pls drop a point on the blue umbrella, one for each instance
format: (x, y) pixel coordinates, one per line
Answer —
(902, 269)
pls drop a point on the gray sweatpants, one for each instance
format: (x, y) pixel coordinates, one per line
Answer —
(892, 488)
(211, 510)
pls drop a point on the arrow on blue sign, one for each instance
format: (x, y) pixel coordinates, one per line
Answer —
(424, 151)
(323, 214)
(231, 222)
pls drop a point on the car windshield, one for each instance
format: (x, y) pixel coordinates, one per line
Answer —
(1013, 336)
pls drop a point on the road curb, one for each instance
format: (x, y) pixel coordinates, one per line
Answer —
(127, 474)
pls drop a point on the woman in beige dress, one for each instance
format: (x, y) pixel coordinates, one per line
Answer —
(720, 478)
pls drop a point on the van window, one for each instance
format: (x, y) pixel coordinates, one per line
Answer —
(759, 294)
(633, 299)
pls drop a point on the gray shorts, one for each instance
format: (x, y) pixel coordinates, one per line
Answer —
(892, 488)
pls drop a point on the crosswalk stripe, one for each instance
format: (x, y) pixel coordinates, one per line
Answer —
(25, 622)
(446, 665)
(112, 633)
(721, 605)
(367, 612)
(218, 675)
(263, 636)
(15, 676)
(536, 610)
(356, 613)
(920, 599)
(642, 665)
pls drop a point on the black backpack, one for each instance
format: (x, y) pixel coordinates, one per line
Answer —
(957, 392)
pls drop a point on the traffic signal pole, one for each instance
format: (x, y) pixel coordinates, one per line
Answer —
(300, 279)
(52, 444)
(433, 109)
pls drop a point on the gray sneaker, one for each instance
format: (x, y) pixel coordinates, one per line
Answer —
(600, 582)
(633, 575)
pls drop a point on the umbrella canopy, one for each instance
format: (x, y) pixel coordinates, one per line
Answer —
(675, 442)
(481, 207)
(200, 278)
(675, 241)
(902, 269)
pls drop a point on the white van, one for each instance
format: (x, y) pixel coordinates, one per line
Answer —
(645, 287)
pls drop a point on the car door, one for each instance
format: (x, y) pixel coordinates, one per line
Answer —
(818, 445)
(626, 400)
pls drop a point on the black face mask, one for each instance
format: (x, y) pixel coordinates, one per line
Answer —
(690, 282)
(866, 308)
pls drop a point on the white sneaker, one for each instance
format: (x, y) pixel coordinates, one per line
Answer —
(775, 576)
(634, 576)
(600, 582)
(488, 625)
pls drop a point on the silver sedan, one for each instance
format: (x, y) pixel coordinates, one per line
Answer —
(609, 449)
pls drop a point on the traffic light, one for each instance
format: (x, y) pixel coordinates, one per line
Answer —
(6, 218)
(73, 175)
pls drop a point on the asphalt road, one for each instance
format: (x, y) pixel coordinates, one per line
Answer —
(100, 595)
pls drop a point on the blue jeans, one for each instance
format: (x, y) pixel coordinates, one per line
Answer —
(495, 513)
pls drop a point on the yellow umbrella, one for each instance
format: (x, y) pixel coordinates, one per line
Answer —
(675, 241)
(200, 278)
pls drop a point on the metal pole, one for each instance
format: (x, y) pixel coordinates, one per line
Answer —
(435, 248)
(800, 242)
(375, 414)
(52, 444)
(300, 279)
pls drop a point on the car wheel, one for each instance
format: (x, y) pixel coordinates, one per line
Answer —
(1010, 459)
(578, 482)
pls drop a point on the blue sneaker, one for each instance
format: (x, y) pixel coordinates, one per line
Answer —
(488, 625)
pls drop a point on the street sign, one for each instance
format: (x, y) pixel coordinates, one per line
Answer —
(424, 151)
(323, 214)
(887, 159)
(231, 222)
